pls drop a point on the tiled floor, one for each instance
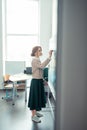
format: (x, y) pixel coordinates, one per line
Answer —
(18, 116)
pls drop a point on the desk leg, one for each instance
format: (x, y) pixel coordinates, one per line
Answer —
(26, 91)
(13, 96)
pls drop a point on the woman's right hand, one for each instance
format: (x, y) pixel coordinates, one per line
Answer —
(50, 53)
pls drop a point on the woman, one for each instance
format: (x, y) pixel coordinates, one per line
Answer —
(37, 95)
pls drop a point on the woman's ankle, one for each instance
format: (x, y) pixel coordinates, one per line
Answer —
(33, 113)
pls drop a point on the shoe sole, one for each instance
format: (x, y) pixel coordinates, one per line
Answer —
(39, 116)
(36, 121)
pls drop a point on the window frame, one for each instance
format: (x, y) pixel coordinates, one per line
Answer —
(15, 34)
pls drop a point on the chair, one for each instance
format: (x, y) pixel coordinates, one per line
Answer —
(8, 86)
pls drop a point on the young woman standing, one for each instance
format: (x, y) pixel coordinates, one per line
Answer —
(37, 98)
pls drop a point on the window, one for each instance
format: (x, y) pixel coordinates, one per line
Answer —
(22, 28)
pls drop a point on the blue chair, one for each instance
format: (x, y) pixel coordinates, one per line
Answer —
(8, 87)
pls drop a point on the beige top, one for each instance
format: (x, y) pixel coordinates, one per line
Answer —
(37, 67)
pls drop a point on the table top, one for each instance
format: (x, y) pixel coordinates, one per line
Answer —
(19, 77)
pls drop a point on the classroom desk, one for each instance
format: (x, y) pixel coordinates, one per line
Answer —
(19, 77)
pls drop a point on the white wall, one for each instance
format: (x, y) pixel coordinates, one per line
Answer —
(1, 59)
(72, 65)
(14, 67)
(45, 25)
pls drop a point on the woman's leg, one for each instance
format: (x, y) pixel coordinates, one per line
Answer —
(33, 112)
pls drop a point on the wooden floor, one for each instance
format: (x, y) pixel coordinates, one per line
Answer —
(18, 116)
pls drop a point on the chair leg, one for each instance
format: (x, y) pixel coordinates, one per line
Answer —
(16, 93)
(8, 95)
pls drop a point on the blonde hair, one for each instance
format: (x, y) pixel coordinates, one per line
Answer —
(34, 50)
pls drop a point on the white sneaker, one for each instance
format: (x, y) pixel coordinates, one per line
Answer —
(39, 114)
(36, 119)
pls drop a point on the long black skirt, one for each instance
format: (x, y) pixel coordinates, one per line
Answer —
(37, 98)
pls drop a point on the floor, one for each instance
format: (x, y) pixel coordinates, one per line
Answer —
(18, 116)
